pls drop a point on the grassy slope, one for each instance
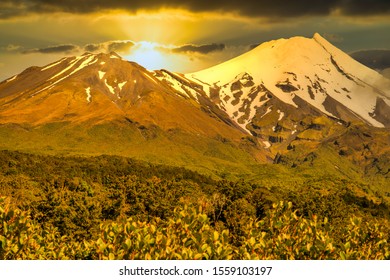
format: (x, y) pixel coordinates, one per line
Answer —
(307, 162)
(175, 148)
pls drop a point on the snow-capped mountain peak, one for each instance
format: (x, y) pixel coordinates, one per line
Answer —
(308, 69)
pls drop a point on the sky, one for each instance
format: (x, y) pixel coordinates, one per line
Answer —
(184, 36)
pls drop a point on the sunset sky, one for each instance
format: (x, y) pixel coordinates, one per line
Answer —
(181, 36)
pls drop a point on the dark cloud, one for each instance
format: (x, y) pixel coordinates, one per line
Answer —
(364, 7)
(375, 59)
(10, 9)
(268, 8)
(120, 46)
(203, 49)
(53, 49)
(111, 46)
(92, 47)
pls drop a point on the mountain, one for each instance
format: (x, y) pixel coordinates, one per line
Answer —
(286, 101)
(99, 88)
(299, 69)
(292, 78)
(100, 103)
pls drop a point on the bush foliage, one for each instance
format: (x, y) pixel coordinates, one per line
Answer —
(281, 234)
(117, 208)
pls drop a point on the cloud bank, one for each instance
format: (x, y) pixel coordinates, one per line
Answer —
(111, 46)
(53, 49)
(375, 59)
(120, 46)
(202, 49)
(257, 8)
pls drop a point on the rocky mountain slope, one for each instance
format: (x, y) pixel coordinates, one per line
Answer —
(277, 85)
(102, 104)
(100, 88)
(279, 102)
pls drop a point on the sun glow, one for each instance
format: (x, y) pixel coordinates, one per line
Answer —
(147, 54)
(156, 56)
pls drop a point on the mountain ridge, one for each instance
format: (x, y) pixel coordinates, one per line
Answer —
(302, 55)
(248, 66)
(282, 97)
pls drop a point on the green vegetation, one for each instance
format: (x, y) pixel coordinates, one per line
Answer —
(111, 207)
(189, 234)
(175, 147)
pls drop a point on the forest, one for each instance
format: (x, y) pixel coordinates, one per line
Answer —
(111, 207)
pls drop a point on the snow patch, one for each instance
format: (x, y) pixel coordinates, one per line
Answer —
(150, 78)
(101, 74)
(72, 63)
(84, 64)
(89, 61)
(102, 63)
(53, 64)
(135, 81)
(266, 144)
(281, 115)
(269, 110)
(240, 99)
(110, 88)
(174, 81)
(88, 91)
(205, 86)
(11, 79)
(121, 85)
